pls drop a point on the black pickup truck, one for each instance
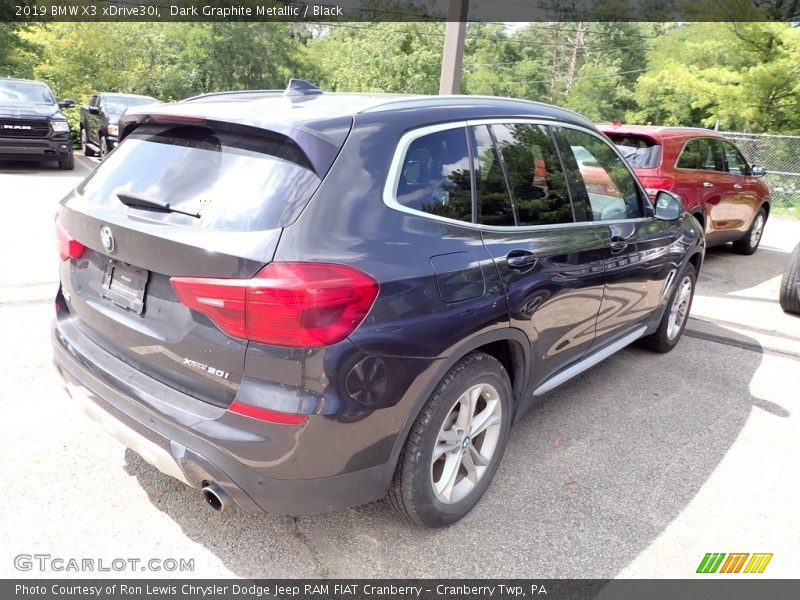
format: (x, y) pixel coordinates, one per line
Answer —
(99, 133)
(32, 126)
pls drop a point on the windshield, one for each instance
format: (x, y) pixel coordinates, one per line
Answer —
(234, 182)
(120, 103)
(25, 92)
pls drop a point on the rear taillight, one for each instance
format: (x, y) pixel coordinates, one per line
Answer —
(68, 246)
(653, 184)
(297, 304)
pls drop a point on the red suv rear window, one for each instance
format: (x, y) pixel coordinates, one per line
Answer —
(640, 152)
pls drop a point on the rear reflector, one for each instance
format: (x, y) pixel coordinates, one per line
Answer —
(263, 414)
(68, 247)
(296, 304)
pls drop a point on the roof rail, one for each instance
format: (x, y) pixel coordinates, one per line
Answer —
(232, 93)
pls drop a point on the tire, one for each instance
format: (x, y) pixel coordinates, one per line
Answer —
(68, 164)
(749, 243)
(670, 331)
(85, 144)
(790, 284)
(103, 147)
(419, 489)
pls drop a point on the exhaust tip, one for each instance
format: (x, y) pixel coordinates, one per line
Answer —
(216, 497)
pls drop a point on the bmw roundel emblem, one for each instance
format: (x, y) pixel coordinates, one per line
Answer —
(107, 238)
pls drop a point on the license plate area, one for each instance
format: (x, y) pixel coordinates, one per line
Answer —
(124, 286)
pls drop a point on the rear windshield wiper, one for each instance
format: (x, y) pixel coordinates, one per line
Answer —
(136, 201)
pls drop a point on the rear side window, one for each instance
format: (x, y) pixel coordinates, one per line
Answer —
(435, 175)
(538, 192)
(703, 154)
(235, 182)
(639, 152)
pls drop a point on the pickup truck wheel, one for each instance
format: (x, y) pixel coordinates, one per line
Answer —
(790, 284)
(67, 164)
(85, 144)
(455, 445)
(103, 146)
(749, 243)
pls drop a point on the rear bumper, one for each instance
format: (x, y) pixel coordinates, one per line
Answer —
(35, 149)
(176, 444)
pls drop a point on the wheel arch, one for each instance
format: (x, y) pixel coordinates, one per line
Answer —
(510, 346)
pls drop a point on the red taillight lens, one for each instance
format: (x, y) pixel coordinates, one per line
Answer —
(264, 414)
(295, 304)
(653, 184)
(68, 247)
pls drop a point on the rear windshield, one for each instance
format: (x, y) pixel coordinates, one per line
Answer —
(234, 182)
(640, 152)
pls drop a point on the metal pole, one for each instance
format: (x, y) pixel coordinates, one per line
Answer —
(453, 55)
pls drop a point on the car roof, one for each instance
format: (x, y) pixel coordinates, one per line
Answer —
(265, 108)
(122, 94)
(17, 79)
(657, 132)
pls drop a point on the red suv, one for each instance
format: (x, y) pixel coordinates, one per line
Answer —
(717, 185)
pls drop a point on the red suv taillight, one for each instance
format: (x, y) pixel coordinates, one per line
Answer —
(68, 246)
(653, 184)
(297, 304)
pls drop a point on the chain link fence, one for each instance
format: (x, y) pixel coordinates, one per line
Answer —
(780, 156)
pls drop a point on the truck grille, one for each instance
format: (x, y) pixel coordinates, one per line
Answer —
(20, 128)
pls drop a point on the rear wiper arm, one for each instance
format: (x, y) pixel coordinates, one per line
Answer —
(136, 201)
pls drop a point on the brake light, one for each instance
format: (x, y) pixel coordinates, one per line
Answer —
(296, 304)
(653, 184)
(263, 414)
(68, 246)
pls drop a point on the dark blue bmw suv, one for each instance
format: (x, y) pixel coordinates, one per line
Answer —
(300, 301)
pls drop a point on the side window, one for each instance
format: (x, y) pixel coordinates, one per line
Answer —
(704, 154)
(538, 191)
(494, 204)
(435, 175)
(606, 189)
(95, 100)
(734, 161)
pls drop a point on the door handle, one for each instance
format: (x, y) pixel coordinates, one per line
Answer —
(737, 186)
(617, 244)
(708, 184)
(521, 260)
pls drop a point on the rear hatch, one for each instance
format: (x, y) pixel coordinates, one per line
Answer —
(235, 191)
(643, 154)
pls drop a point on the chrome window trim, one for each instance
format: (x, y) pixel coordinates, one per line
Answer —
(395, 167)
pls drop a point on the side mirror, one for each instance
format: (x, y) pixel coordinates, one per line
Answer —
(94, 110)
(669, 207)
(67, 103)
(757, 171)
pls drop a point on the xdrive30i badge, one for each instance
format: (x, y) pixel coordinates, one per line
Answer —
(107, 238)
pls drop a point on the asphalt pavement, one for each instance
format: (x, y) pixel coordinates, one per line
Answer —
(637, 468)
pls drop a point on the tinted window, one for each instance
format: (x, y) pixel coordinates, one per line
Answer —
(538, 190)
(435, 175)
(734, 161)
(640, 152)
(494, 203)
(605, 186)
(235, 182)
(704, 154)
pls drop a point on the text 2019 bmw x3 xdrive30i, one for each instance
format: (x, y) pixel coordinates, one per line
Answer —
(298, 302)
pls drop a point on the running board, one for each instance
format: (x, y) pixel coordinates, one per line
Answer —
(588, 362)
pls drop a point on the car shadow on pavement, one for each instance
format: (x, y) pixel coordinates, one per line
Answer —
(726, 272)
(591, 476)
